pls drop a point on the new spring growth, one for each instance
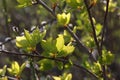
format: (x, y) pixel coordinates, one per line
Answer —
(63, 19)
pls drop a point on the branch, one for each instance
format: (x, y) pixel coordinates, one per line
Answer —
(77, 39)
(50, 58)
(46, 7)
(93, 27)
(102, 37)
(104, 24)
(68, 29)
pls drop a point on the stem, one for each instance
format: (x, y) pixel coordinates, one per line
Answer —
(55, 59)
(33, 77)
(93, 27)
(102, 37)
(46, 7)
(104, 24)
(77, 40)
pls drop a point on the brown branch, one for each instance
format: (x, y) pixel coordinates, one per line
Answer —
(104, 24)
(102, 37)
(93, 27)
(50, 58)
(46, 7)
(77, 40)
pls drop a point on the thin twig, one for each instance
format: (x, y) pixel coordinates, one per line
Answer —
(46, 7)
(102, 37)
(50, 58)
(77, 39)
(104, 24)
(93, 27)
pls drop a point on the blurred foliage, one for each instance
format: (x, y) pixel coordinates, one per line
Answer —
(23, 17)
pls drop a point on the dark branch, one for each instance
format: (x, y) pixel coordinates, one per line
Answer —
(50, 58)
(102, 37)
(93, 27)
(46, 7)
(104, 24)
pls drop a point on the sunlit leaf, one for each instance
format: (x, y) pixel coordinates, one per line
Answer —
(60, 42)
(24, 3)
(69, 77)
(21, 41)
(63, 19)
(15, 67)
(98, 28)
(56, 78)
(3, 71)
(67, 50)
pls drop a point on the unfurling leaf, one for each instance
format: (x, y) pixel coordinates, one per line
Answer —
(60, 43)
(63, 19)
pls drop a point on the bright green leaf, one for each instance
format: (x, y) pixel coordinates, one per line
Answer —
(98, 28)
(24, 3)
(63, 19)
(59, 43)
(69, 77)
(67, 50)
(3, 71)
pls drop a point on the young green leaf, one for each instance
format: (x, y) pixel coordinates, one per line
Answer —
(98, 28)
(67, 50)
(3, 71)
(24, 3)
(21, 42)
(59, 42)
(15, 68)
(30, 40)
(63, 19)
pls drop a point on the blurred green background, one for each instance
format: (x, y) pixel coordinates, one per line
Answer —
(14, 20)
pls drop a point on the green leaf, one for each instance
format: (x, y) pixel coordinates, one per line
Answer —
(65, 76)
(56, 78)
(60, 65)
(63, 19)
(29, 41)
(96, 68)
(28, 36)
(74, 3)
(21, 68)
(67, 50)
(3, 71)
(15, 69)
(67, 37)
(24, 3)
(68, 77)
(21, 41)
(98, 28)
(46, 64)
(37, 36)
(59, 42)
(49, 45)
(107, 57)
